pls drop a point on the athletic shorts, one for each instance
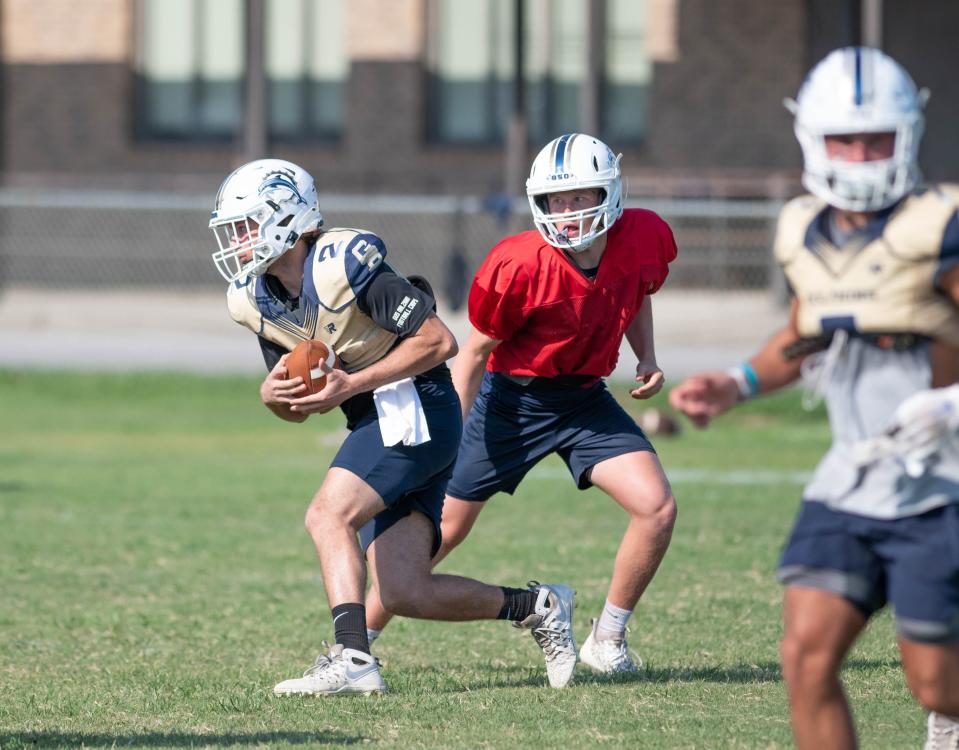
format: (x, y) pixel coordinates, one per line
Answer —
(911, 562)
(511, 427)
(407, 477)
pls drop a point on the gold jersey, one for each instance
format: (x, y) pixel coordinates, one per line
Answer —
(337, 268)
(883, 279)
(879, 283)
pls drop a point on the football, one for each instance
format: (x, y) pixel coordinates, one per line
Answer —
(657, 422)
(306, 360)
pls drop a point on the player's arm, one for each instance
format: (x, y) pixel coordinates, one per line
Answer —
(469, 366)
(277, 390)
(706, 395)
(640, 338)
(949, 284)
(424, 342)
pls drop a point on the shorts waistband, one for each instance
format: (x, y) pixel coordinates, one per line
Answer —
(558, 383)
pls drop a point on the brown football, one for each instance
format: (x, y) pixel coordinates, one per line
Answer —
(306, 360)
(657, 422)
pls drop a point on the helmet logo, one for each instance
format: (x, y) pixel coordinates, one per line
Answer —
(281, 178)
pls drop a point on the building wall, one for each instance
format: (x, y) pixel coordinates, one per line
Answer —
(717, 122)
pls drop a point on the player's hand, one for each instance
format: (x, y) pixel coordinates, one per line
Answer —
(652, 380)
(338, 388)
(277, 390)
(705, 396)
(922, 424)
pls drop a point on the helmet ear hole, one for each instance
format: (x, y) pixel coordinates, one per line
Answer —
(286, 220)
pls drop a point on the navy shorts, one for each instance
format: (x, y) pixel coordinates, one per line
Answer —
(407, 477)
(512, 427)
(911, 562)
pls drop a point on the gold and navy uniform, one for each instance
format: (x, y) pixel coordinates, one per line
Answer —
(880, 288)
(350, 299)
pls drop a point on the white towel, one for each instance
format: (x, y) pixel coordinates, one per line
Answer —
(401, 414)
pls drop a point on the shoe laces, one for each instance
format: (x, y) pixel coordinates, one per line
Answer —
(552, 639)
(618, 655)
(323, 661)
(551, 636)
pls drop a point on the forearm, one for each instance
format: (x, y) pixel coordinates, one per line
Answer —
(640, 333)
(468, 369)
(768, 370)
(773, 371)
(432, 345)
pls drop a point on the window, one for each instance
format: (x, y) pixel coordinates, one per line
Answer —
(628, 71)
(471, 63)
(306, 67)
(192, 63)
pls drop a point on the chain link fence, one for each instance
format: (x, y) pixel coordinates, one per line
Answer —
(122, 241)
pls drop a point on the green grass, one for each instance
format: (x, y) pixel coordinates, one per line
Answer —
(156, 581)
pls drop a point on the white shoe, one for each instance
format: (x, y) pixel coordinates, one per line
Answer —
(552, 626)
(943, 733)
(340, 672)
(608, 655)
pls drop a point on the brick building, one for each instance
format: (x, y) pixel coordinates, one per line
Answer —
(416, 96)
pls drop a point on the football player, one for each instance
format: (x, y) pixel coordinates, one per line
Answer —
(872, 258)
(291, 279)
(549, 310)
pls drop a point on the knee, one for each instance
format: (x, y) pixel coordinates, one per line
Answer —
(660, 513)
(806, 664)
(323, 518)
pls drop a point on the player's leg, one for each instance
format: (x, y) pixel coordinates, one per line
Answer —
(495, 452)
(637, 483)
(819, 629)
(401, 567)
(932, 671)
(343, 504)
(603, 446)
(924, 589)
(458, 519)
(835, 578)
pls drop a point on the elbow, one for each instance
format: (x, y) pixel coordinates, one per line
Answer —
(448, 348)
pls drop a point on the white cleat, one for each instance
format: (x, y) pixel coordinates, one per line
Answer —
(609, 655)
(552, 627)
(943, 733)
(343, 671)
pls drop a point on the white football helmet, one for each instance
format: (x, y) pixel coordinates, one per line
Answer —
(261, 210)
(859, 90)
(573, 162)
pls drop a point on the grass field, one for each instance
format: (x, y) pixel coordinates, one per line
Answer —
(157, 581)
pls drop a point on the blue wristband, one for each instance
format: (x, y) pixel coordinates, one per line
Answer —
(751, 378)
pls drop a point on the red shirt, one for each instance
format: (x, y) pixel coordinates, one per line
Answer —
(552, 320)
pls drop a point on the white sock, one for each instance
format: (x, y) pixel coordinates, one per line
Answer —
(372, 635)
(612, 623)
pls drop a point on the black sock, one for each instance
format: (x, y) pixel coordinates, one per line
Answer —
(349, 625)
(519, 604)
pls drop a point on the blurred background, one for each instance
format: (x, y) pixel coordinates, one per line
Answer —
(418, 119)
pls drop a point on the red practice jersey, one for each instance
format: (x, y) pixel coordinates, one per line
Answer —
(552, 320)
